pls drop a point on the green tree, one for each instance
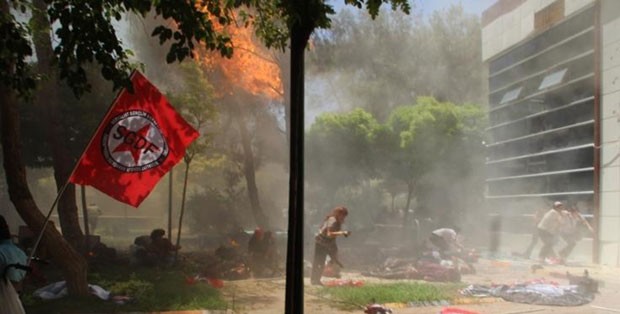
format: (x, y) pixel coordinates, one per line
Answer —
(429, 137)
(196, 104)
(85, 34)
(338, 153)
(379, 65)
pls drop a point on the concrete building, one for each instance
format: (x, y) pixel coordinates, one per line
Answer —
(554, 112)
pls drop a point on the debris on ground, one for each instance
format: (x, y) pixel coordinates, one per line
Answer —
(540, 292)
(377, 309)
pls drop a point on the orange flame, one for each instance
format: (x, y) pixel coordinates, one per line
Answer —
(252, 67)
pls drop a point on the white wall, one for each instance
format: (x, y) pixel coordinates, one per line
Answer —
(516, 25)
(609, 231)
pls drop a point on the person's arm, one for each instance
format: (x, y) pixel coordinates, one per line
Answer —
(333, 234)
(584, 221)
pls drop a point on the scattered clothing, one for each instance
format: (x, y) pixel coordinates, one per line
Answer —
(59, 289)
(539, 293)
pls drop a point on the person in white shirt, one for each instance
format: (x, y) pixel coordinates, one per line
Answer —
(447, 240)
(549, 228)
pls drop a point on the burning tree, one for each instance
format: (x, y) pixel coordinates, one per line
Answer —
(251, 79)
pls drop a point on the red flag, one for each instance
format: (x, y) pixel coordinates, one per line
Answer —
(140, 139)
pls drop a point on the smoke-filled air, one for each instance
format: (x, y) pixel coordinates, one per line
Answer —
(274, 157)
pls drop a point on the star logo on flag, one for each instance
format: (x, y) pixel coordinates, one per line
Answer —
(135, 142)
(138, 141)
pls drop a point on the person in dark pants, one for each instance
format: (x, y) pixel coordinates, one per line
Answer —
(325, 242)
(572, 231)
(534, 240)
(549, 228)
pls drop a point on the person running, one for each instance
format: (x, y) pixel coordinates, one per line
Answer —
(549, 229)
(572, 231)
(325, 242)
(538, 215)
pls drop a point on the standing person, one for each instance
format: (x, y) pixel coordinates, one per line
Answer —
(93, 216)
(538, 215)
(257, 248)
(549, 228)
(571, 233)
(10, 283)
(325, 242)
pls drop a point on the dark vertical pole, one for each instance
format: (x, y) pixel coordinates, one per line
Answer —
(294, 303)
(170, 203)
(176, 253)
(85, 214)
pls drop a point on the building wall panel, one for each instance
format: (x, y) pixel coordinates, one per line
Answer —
(609, 151)
(610, 129)
(572, 6)
(610, 106)
(609, 179)
(609, 227)
(610, 253)
(611, 80)
(611, 55)
(610, 32)
(610, 201)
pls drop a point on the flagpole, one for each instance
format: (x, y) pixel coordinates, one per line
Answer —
(170, 177)
(47, 219)
(176, 253)
(85, 216)
(67, 181)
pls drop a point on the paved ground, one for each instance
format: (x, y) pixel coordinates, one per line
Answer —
(267, 296)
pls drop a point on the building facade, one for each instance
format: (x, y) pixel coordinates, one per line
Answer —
(554, 113)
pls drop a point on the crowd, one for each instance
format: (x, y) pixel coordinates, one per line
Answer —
(559, 222)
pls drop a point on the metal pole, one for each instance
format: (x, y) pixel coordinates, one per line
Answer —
(176, 253)
(47, 219)
(170, 203)
(85, 214)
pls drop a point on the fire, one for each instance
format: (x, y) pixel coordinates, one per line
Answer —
(252, 67)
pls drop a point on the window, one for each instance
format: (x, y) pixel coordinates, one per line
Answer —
(552, 79)
(511, 95)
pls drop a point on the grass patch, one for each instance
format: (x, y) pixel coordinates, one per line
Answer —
(350, 298)
(153, 289)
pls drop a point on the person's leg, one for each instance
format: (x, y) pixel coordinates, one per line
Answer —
(533, 242)
(570, 245)
(547, 248)
(320, 253)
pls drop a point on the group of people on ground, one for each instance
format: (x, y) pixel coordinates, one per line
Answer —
(262, 254)
(557, 222)
(154, 249)
(445, 241)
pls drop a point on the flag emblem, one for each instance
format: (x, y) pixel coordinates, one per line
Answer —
(132, 142)
(138, 141)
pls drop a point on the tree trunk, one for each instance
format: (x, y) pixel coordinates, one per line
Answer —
(71, 263)
(294, 299)
(49, 103)
(249, 170)
(410, 186)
